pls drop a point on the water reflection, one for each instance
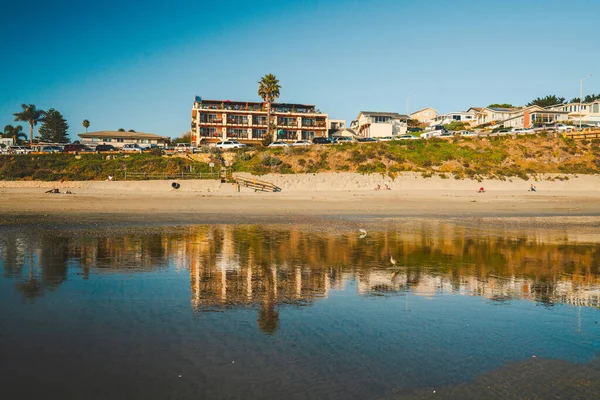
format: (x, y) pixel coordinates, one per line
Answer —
(267, 267)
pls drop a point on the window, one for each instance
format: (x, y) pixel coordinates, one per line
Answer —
(381, 119)
(259, 133)
(119, 140)
(209, 132)
(595, 108)
(308, 135)
(237, 133)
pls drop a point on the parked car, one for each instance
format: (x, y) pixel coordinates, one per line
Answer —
(467, 134)
(446, 135)
(385, 139)
(321, 140)
(76, 148)
(184, 148)
(342, 139)
(131, 148)
(505, 131)
(227, 144)
(105, 147)
(18, 150)
(523, 131)
(407, 136)
(367, 140)
(278, 144)
(415, 129)
(299, 143)
(564, 128)
(51, 149)
(240, 145)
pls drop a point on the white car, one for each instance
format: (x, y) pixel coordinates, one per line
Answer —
(523, 131)
(564, 128)
(407, 136)
(18, 150)
(342, 140)
(301, 143)
(184, 148)
(228, 144)
(467, 134)
(278, 144)
(131, 148)
(240, 145)
(446, 135)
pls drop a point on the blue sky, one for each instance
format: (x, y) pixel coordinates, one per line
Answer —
(138, 64)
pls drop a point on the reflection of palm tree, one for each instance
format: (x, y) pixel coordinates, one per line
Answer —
(32, 287)
(268, 317)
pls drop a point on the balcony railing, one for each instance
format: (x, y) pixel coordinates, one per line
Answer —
(313, 124)
(212, 121)
(287, 123)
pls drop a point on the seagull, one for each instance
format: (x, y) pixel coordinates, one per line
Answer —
(363, 233)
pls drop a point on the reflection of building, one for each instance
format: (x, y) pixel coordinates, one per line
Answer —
(252, 266)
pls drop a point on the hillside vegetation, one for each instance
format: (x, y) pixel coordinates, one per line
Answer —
(493, 158)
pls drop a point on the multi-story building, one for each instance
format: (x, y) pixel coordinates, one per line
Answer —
(425, 115)
(215, 120)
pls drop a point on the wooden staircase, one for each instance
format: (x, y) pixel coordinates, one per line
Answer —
(256, 184)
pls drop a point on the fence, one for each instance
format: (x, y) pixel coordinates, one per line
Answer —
(143, 176)
(583, 135)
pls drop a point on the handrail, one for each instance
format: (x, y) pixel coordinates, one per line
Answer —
(256, 184)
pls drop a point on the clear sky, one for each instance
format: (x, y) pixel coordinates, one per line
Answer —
(138, 64)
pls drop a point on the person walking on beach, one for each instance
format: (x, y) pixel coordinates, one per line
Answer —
(532, 188)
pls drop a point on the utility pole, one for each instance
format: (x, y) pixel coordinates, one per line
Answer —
(581, 98)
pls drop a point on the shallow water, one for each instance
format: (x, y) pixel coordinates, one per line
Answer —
(272, 312)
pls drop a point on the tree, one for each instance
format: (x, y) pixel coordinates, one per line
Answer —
(121, 130)
(14, 132)
(550, 100)
(54, 127)
(574, 100)
(31, 115)
(185, 138)
(86, 124)
(268, 90)
(501, 105)
(131, 130)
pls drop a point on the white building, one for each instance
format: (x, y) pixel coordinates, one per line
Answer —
(466, 117)
(588, 113)
(379, 124)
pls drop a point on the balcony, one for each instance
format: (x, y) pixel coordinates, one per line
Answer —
(237, 120)
(313, 124)
(288, 123)
(259, 121)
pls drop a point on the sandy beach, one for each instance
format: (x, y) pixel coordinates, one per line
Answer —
(330, 195)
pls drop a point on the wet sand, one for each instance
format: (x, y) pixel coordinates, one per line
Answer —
(529, 379)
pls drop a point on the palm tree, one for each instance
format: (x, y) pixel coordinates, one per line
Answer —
(268, 90)
(86, 124)
(31, 115)
(15, 132)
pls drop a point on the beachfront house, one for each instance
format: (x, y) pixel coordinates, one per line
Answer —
(424, 115)
(245, 121)
(534, 115)
(494, 115)
(346, 132)
(466, 117)
(334, 125)
(371, 124)
(118, 139)
(588, 113)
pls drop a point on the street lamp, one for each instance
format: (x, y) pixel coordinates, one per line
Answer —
(581, 97)
(407, 114)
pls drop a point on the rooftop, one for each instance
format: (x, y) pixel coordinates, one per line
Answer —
(383, 114)
(121, 135)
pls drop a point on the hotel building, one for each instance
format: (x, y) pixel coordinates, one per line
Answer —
(246, 122)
